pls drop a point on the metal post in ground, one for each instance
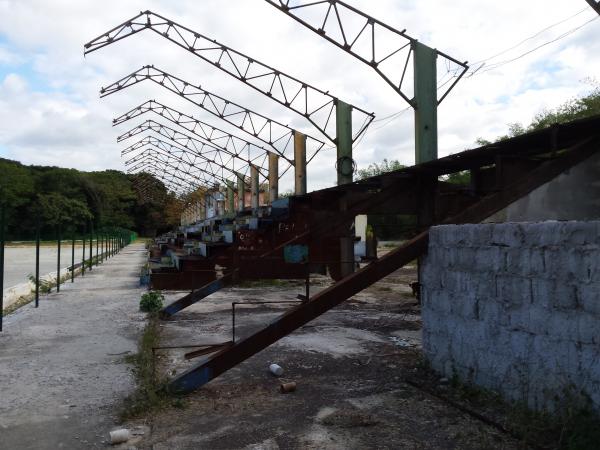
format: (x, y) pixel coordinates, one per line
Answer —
(101, 247)
(97, 246)
(83, 253)
(2, 243)
(58, 260)
(37, 264)
(73, 259)
(91, 245)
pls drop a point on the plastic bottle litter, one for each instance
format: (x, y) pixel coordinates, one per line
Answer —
(276, 370)
(119, 436)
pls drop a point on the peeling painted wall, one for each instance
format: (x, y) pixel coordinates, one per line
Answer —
(515, 307)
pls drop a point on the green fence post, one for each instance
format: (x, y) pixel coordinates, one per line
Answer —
(37, 264)
(2, 243)
(73, 258)
(58, 261)
(83, 253)
(91, 245)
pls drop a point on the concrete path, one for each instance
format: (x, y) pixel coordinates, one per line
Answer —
(62, 369)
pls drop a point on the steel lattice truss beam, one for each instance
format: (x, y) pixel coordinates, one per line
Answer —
(205, 150)
(317, 106)
(228, 143)
(171, 174)
(145, 186)
(180, 170)
(594, 4)
(164, 175)
(276, 135)
(197, 161)
(387, 50)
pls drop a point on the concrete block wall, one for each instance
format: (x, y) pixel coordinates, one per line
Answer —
(515, 307)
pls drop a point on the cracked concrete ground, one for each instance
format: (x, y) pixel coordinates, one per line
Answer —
(62, 369)
(350, 365)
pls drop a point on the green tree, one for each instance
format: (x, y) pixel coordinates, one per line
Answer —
(56, 209)
(378, 169)
(574, 109)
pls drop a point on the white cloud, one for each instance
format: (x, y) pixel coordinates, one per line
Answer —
(57, 118)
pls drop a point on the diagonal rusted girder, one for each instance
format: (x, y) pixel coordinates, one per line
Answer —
(316, 105)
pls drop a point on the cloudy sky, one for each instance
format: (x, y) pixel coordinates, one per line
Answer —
(51, 113)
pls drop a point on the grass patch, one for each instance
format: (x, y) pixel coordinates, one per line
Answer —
(150, 395)
(22, 301)
(572, 426)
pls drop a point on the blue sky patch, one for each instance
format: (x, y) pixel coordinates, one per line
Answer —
(24, 68)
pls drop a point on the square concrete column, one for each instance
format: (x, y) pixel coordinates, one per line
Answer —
(230, 199)
(425, 87)
(345, 175)
(241, 188)
(299, 163)
(254, 187)
(273, 177)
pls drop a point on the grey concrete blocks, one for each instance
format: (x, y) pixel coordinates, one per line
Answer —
(515, 307)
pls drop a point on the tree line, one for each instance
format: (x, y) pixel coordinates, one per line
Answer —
(76, 201)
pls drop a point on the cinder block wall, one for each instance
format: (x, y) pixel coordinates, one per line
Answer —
(515, 307)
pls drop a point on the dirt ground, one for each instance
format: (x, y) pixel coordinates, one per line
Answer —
(350, 366)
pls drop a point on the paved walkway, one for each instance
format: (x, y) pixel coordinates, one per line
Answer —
(62, 370)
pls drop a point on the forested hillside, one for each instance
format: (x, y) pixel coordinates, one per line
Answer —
(75, 200)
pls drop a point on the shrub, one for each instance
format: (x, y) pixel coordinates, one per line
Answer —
(151, 301)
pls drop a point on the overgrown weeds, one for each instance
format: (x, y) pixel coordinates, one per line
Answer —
(151, 394)
(572, 425)
(151, 302)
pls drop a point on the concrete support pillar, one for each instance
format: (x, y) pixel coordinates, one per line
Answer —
(345, 163)
(241, 187)
(230, 198)
(345, 175)
(425, 87)
(273, 177)
(207, 203)
(254, 187)
(299, 163)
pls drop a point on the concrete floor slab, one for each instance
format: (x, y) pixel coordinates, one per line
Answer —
(62, 368)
